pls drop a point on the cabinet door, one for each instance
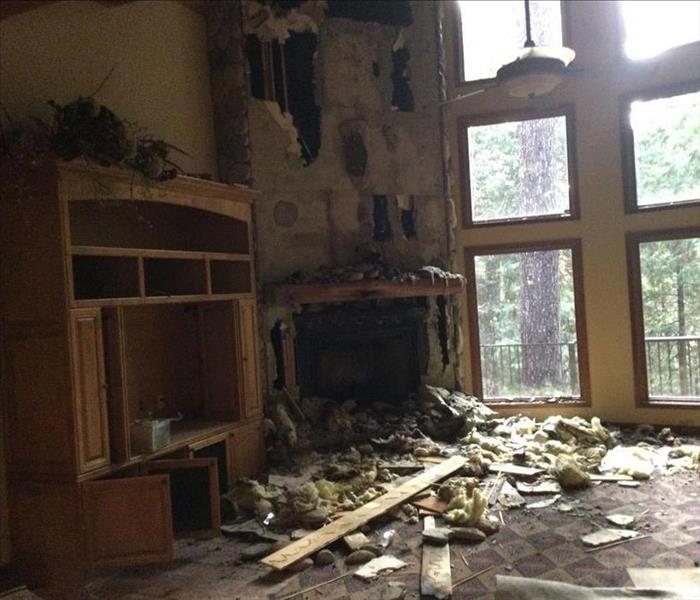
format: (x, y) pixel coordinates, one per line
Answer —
(247, 318)
(194, 494)
(127, 521)
(247, 450)
(221, 361)
(89, 389)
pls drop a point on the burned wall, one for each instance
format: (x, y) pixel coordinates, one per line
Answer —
(376, 89)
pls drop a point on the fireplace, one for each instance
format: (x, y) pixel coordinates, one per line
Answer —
(366, 351)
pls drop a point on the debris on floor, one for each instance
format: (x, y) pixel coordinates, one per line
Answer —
(379, 565)
(343, 469)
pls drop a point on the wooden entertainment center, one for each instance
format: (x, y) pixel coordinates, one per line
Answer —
(119, 302)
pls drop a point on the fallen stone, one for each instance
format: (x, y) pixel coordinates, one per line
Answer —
(314, 518)
(300, 565)
(393, 591)
(323, 558)
(437, 535)
(620, 520)
(489, 525)
(467, 534)
(255, 551)
(383, 564)
(375, 549)
(252, 529)
(358, 557)
(607, 536)
(278, 545)
(297, 534)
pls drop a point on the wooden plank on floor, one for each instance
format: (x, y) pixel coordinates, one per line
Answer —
(436, 573)
(328, 534)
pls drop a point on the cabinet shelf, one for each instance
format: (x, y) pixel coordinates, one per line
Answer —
(109, 276)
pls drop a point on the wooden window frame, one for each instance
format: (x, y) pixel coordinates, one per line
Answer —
(633, 241)
(458, 52)
(575, 246)
(464, 123)
(629, 174)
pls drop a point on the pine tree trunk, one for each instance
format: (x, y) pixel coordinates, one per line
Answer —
(539, 272)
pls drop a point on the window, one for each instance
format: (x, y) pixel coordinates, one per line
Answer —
(651, 28)
(493, 33)
(665, 304)
(527, 331)
(517, 170)
(661, 145)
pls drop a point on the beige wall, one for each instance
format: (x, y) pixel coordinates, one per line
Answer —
(161, 80)
(595, 91)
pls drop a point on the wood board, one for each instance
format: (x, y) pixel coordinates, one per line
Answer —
(350, 522)
(431, 503)
(436, 573)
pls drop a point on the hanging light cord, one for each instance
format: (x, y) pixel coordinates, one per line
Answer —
(528, 34)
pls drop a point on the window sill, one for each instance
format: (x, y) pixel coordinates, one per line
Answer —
(672, 402)
(534, 402)
(630, 210)
(468, 224)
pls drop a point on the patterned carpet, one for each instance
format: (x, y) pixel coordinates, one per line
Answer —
(542, 543)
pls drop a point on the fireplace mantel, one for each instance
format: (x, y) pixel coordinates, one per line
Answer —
(313, 293)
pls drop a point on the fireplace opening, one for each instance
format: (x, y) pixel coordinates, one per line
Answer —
(363, 351)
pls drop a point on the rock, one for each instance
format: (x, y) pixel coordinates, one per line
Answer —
(278, 545)
(393, 591)
(489, 525)
(358, 557)
(437, 535)
(256, 551)
(315, 518)
(569, 474)
(300, 565)
(467, 534)
(323, 558)
(375, 549)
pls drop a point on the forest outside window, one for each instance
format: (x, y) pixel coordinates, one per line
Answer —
(493, 33)
(516, 170)
(665, 304)
(527, 323)
(661, 137)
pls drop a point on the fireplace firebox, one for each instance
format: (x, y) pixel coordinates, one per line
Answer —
(365, 351)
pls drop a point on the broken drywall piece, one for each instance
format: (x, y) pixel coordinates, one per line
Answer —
(545, 486)
(620, 520)
(517, 470)
(509, 497)
(628, 484)
(377, 566)
(544, 503)
(607, 536)
(355, 541)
